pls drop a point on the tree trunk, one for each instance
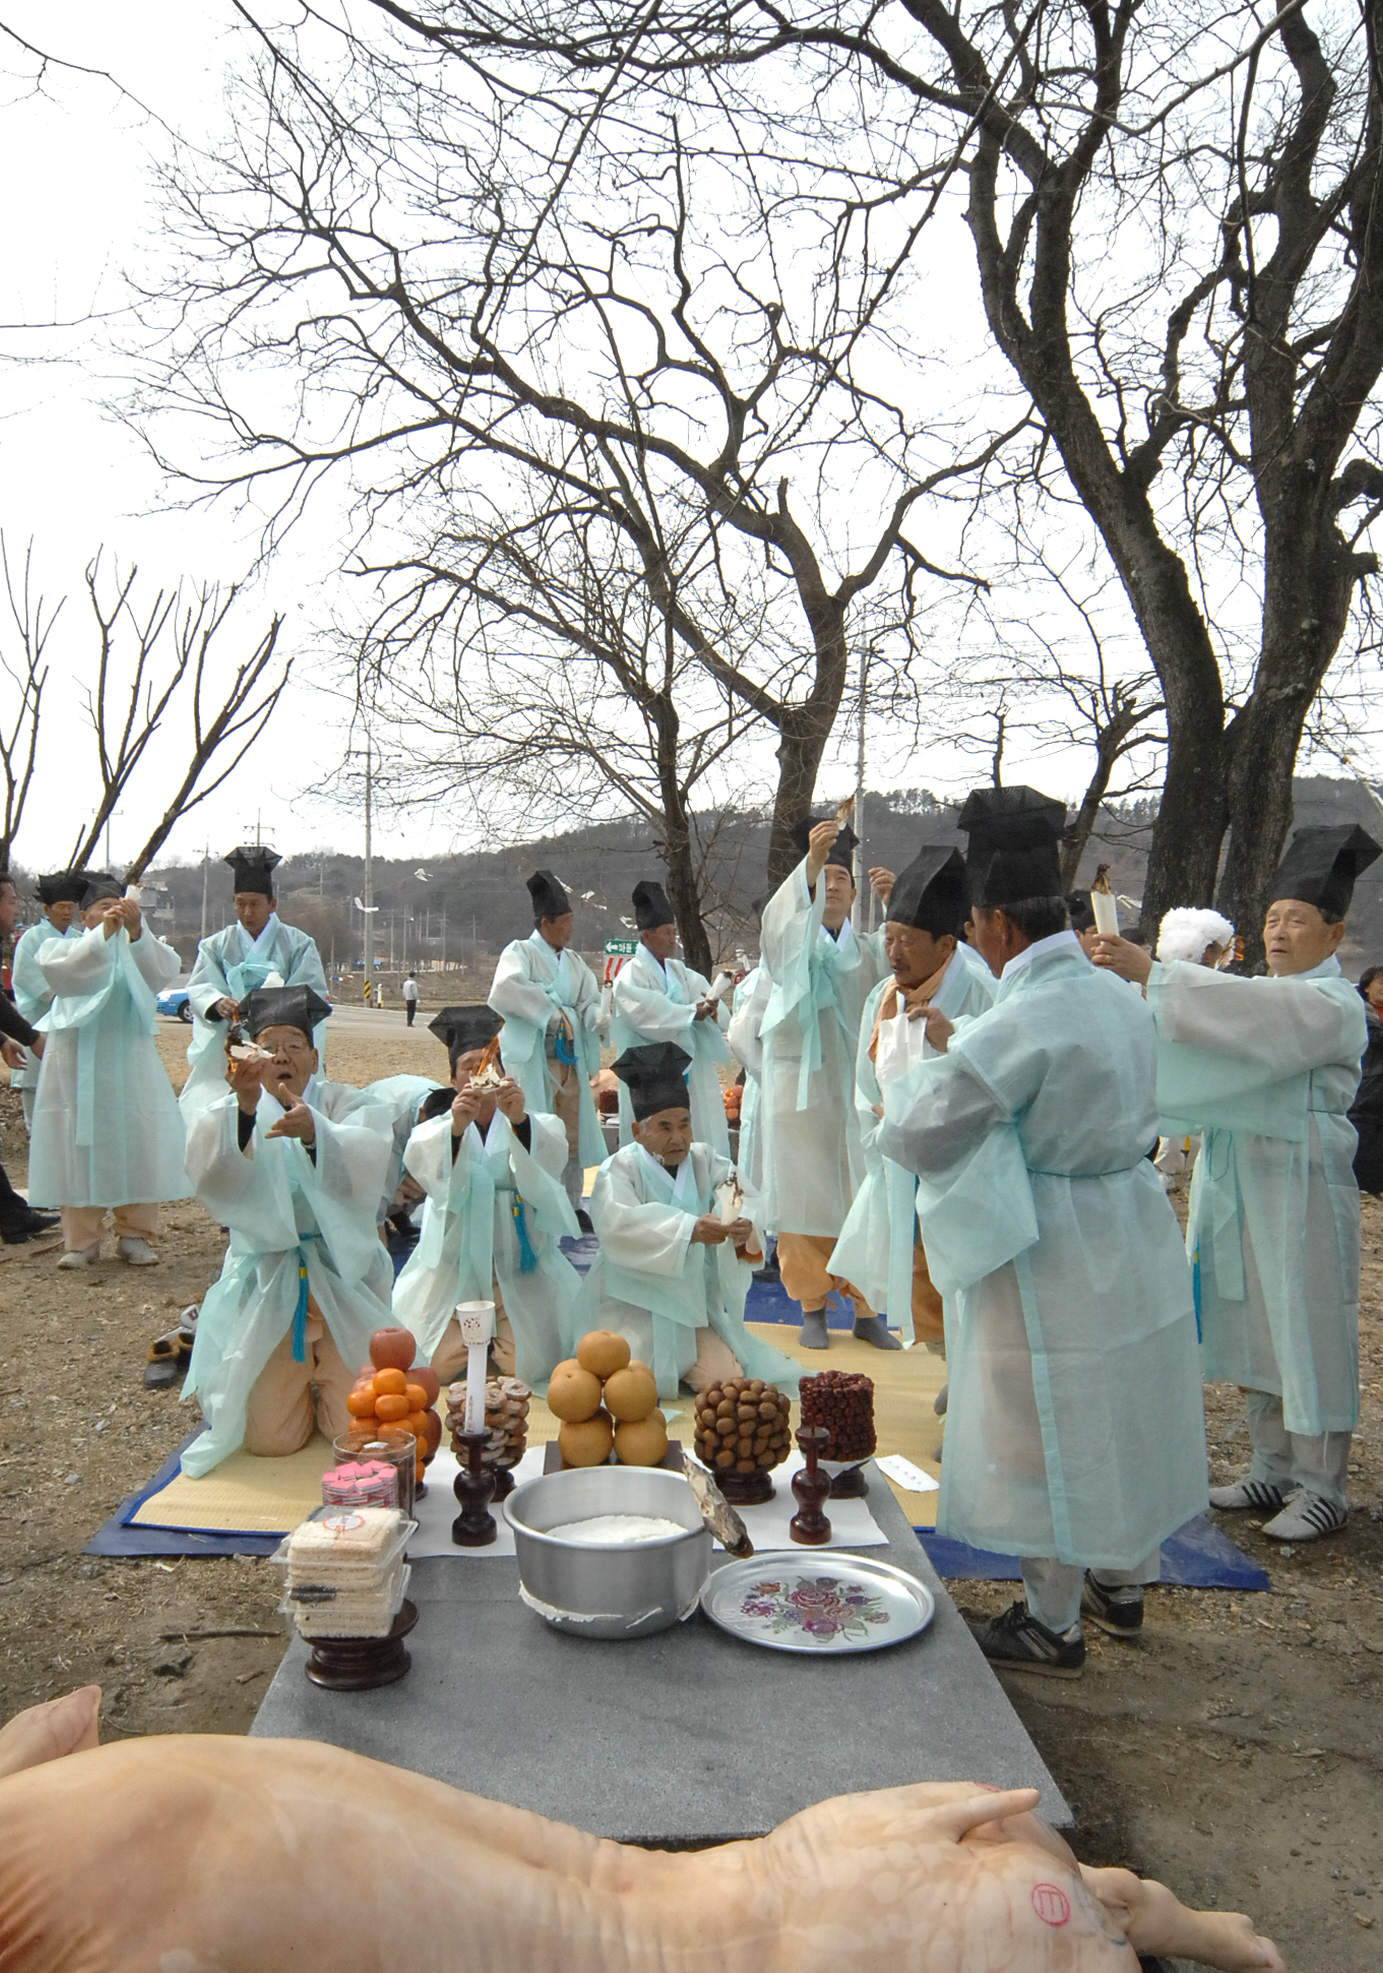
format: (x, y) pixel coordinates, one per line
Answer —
(682, 891)
(804, 730)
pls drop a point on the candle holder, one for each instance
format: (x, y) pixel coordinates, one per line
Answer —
(810, 1487)
(474, 1526)
(849, 1483)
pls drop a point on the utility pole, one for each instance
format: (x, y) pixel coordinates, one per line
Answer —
(206, 872)
(444, 938)
(369, 870)
(861, 860)
(391, 939)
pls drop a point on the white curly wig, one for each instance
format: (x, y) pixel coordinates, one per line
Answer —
(1185, 933)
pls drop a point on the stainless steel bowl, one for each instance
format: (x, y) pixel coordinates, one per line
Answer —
(603, 1590)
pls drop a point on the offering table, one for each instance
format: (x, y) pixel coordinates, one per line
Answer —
(686, 1738)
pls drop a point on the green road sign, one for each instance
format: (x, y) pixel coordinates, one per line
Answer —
(614, 947)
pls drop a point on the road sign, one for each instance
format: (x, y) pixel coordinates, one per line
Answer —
(615, 948)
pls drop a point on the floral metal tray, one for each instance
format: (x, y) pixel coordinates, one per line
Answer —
(821, 1605)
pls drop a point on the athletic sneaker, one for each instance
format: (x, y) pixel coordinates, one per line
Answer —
(1119, 1612)
(1258, 1496)
(1017, 1640)
(1306, 1517)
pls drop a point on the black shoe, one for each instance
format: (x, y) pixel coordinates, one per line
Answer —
(1118, 1612)
(1018, 1641)
(584, 1221)
(38, 1222)
(17, 1234)
(769, 1272)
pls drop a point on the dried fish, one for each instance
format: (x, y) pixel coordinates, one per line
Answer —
(487, 1073)
(716, 1511)
(845, 809)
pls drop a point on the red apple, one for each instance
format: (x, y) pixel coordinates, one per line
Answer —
(432, 1432)
(392, 1349)
(431, 1383)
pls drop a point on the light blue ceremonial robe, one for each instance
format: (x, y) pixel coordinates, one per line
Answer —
(400, 1096)
(1267, 1069)
(653, 1286)
(32, 994)
(813, 1162)
(107, 1130)
(533, 983)
(296, 1228)
(230, 965)
(874, 1250)
(494, 1213)
(652, 1003)
(746, 1014)
(1075, 1427)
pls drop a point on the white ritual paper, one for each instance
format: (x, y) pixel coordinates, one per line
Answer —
(911, 1478)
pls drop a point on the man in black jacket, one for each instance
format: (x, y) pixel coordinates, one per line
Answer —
(18, 1220)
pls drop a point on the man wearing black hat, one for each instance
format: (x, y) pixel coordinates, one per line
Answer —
(1267, 1069)
(657, 997)
(813, 1161)
(295, 1166)
(549, 1001)
(59, 893)
(107, 1133)
(1075, 1434)
(496, 1210)
(880, 1246)
(258, 950)
(18, 1221)
(678, 1241)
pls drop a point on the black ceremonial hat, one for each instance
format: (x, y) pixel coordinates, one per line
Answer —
(842, 850)
(651, 907)
(253, 866)
(99, 884)
(655, 1076)
(465, 1028)
(1081, 909)
(931, 893)
(62, 887)
(1321, 865)
(1013, 854)
(549, 898)
(300, 1007)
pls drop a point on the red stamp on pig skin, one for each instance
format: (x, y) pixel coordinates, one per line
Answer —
(1050, 1903)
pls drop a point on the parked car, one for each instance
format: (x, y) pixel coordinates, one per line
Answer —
(174, 1001)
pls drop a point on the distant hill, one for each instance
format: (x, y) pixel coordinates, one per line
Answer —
(466, 908)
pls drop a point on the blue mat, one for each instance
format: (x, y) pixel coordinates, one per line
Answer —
(118, 1539)
(1198, 1556)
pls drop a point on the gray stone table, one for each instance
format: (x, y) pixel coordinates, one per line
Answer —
(688, 1737)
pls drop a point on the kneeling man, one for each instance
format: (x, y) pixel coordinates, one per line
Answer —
(295, 1167)
(672, 1273)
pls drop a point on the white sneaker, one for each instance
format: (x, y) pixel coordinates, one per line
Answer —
(1306, 1517)
(1257, 1496)
(81, 1256)
(136, 1251)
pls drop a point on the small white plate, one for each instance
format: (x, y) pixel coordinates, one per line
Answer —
(821, 1606)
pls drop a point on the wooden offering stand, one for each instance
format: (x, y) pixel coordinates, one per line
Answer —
(359, 1664)
(745, 1489)
(474, 1487)
(810, 1488)
(850, 1485)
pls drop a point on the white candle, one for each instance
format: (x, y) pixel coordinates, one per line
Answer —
(477, 1325)
(1106, 914)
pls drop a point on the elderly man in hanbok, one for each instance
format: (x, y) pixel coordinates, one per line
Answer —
(59, 894)
(259, 950)
(107, 1136)
(880, 1246)
(658, 997)
(1075, 1436)
(813, 1161)
(495, 1211)
(1266, 1069)
(678, 1242)
(549, 1001)
(294, 1166)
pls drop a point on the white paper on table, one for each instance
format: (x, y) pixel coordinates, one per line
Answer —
(911, 1478)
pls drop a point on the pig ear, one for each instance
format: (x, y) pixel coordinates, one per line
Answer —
(45, 1733)
(952, 1820)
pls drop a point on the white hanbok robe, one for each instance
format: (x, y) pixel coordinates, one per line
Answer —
(533, 983)
(746, 1014)
(32, 994)
(653, 1286)
(653, 1003)
(812, 1160)
(298, 1226)
(107, 1130)
(494, 1212)
(1075, 1426)
(229, 965)
(874, 1250)
(1267, 1069)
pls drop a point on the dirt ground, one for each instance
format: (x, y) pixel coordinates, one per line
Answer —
(1236, 1752)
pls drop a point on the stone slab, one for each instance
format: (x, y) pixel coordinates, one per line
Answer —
(686, 1738)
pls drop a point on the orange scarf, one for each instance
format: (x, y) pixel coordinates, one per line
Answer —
(918, 996)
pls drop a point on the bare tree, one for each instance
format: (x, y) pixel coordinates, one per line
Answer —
(172, 671)
(26, 675)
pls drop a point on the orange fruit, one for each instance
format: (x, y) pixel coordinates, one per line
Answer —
(392, 1408)
(573, 1393)
(360, 1402)
(586, 1441)
(631, 1394)
(641, 1442)
(416, 1423)
(602, 1352)
(390, 1383)
(417, 1396)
